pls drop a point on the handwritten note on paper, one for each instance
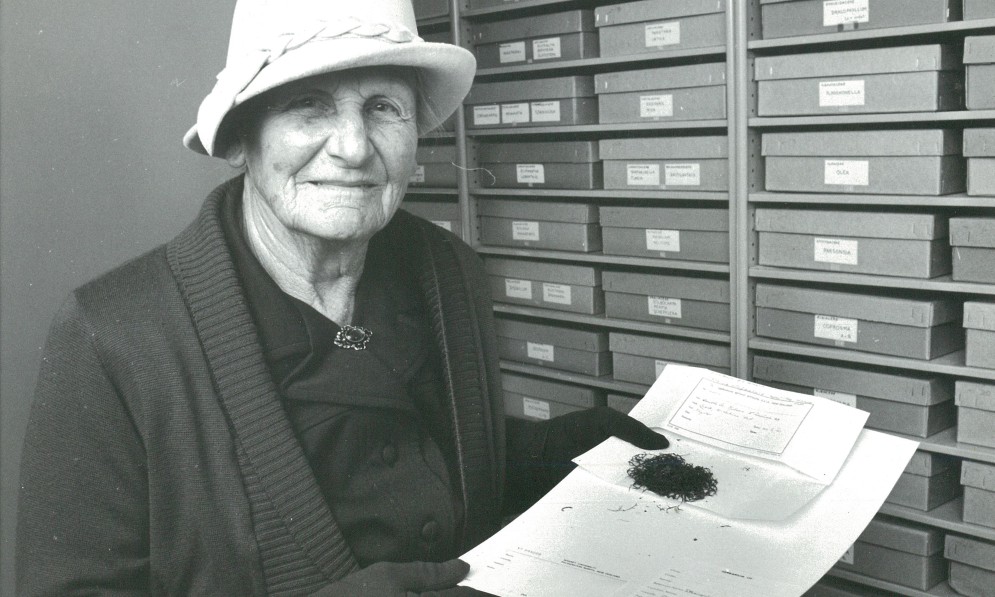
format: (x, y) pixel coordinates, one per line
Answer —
(739, 417)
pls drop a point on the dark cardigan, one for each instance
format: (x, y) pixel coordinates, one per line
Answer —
(158, 459)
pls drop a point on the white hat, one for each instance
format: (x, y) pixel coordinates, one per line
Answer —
(274, 42)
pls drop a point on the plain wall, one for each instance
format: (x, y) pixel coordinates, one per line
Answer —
(94, 99)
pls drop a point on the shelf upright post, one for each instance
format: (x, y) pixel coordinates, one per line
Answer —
(739, 229)
(468, 213)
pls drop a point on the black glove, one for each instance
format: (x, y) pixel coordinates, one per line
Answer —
(540, 453)
(408, 579)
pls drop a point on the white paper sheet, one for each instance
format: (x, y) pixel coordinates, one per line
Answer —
(596, 536)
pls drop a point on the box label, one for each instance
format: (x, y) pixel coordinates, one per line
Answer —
(667, 241)
(514, 113)
(556, 293)
(530, 173)
(658, 366)
(664, 307)
(841, 12)
(537, 409)
(525, 230)
(512, 52)
(836, 250)
(541, 352)
(682, 175)
(847, 399)
(642, 175)
(847, 557)
(546, 49)
(656, 106)
(848, 172)
(484, 115)
(841, 93)
(419, 175)
(835, 328)
(444, 224)
(546, 111)
(663, 34)
(520, 289)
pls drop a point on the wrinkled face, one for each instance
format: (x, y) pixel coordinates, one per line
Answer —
(330, 156)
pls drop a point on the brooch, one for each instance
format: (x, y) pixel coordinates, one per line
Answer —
(353, 337)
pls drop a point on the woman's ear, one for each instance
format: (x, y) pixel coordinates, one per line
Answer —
(235, 154)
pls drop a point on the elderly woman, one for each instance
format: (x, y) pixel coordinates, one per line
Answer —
(299, 394)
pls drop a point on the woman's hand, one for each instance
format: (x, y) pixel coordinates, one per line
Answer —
(407, 579)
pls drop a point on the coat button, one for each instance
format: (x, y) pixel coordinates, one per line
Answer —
(389, 454)
(430, 531)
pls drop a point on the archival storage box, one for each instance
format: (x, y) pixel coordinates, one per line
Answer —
(532, 102)
(540, 400)
(979, 64)
(641, 359)
(882, 324)
(622, 403)
(575, 288)
(978, 480)
(654, 25)
(444, 214)
(907, 403)
(926, 78)
(554, 346)
(557, 226)
(436, 166)
(928, 481)
(979, 150)
(979, 9)
(673, 300)
(430, 9)
(692, 92)
(786, 18)
(979, 329)
(912, 245)
(975, 413)
(684, 233)
(899, 162)
(904, 553)
(553, 37)
(547, 164)
(666, 163)
(972, 566)
(972, 243)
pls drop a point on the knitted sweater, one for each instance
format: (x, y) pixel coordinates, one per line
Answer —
(158, 459)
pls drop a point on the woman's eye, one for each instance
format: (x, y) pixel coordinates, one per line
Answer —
(304, 103)
(381, 106)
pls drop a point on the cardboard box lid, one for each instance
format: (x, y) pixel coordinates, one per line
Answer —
(932, 57)
(559, 273)
(549, 390)
(571, 21)
(971, 394)
(664, 148)
(670, 349)
(978, 475)
(577, 339)
(904, 536)
(671, 77)
(881, 308)
(682, 287)
(910, 142)
(652, 10)
(852, 223)
(539, 152)
(665, 218)
(979, 142)
(973, 552)
(979, 315)
(435, 154)
(574, 213)
(979, 49)
(530, 90)
(930, 464)
(972, 232)
(909, 388)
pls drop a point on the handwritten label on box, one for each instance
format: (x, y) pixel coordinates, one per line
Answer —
(841, 93)
(525, 231)
(520, 289)
(839, 329)
(843, 12)
(663, 34)
(842, 398)
(666, 241)
(642, 175)
(419, 176)
(556, 293)
(530, 173)
(514, 113)
(537, 409)
(546, 111)
(848, 172)
(836, 250)
(540, 352)
(486, 115)
(512, 52)
(546, 49)
(682, 175)
(656, 106)
(659, 306)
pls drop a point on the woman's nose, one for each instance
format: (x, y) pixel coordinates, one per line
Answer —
(347, 139)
